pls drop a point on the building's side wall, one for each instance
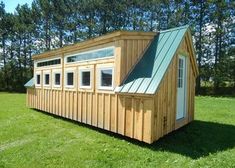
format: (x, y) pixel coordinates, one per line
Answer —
(165, 98)
(126, 115)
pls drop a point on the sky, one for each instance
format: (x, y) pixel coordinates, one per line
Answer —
(10, 5)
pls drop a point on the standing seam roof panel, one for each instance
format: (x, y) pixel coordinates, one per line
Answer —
(167, 60)
(30, 83)
(157, 62)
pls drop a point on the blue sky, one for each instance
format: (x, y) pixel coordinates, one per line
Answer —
(10, 5)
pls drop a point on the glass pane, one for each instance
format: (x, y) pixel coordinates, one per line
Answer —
(57, 79)
(106, 77)
(47, 79)
(86, 78)
(38, 79)
(51, 62)
(70, 78)
(107, 52)
(181, 73)
(110, 52)
(180, 63)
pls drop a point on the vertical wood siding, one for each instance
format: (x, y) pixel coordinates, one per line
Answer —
(142, 117)
(165, 103)
(165, 98)
(126, 115)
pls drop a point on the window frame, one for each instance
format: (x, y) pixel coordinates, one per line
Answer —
(54, 78)
(180, 73)
(36, 79)
(81, 70)
(110, 88)
(44, 79)
(66, 78)
(49, 62)
(87, 52)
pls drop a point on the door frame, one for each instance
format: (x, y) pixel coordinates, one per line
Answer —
(182, 121)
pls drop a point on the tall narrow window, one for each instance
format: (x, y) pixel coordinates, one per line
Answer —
(57, 79)
(70, 79)
(180, 73)
(38, 79)
(106, 78)
(85, 76)
(47, 79)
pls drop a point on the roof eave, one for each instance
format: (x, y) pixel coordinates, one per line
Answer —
(193, 52)
(110, 37)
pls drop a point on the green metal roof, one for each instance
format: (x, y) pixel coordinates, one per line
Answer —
(149, 71)
(30, 83)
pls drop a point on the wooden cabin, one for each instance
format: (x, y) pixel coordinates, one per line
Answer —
(137, 84)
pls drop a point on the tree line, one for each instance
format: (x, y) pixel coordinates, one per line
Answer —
(49, 24)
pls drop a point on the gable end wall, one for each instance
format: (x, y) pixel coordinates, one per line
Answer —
(165, 98)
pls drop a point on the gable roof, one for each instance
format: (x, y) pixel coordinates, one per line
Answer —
(149, 71)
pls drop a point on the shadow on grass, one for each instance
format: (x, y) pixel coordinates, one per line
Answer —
(195, 140)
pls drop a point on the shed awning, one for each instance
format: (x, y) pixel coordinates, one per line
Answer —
(30, 83)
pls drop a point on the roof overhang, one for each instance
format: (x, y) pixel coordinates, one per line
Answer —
(191, 47)
(30, 83)
(110, 37)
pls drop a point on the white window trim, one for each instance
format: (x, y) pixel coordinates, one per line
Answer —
(90, 51)
(48, 59)
(44, 79)
(65, 79)
(36, 82)
(99, 76)
(81, 70)
(55, 85)
(54, 73)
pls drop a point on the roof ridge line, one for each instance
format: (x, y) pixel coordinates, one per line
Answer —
(174, 29)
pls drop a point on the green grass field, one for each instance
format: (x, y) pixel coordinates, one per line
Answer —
(29, 138)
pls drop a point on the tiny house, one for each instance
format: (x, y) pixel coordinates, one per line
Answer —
(137, 84)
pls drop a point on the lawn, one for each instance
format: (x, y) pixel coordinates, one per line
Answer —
(29, 138)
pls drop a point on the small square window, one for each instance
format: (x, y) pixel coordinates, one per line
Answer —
(85, 78)
(57, 79)
(70, 79)
(38, 80)
(106, 78)
(47, 79)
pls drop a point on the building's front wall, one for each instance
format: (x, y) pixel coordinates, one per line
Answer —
(95, 106)
(165, 99)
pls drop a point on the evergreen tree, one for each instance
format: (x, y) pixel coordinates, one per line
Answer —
(49, 24)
